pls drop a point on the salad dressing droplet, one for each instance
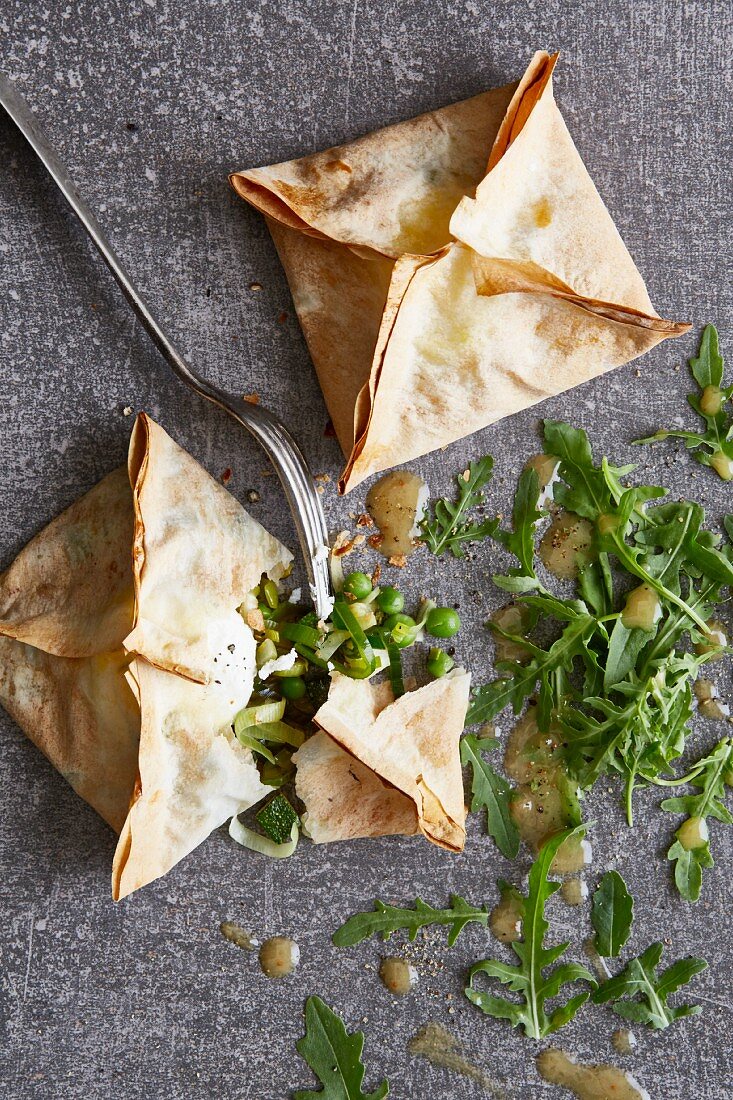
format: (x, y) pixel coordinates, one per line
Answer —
(397, 504)
(513, 619)
(398, 975)
(642, 610)
(441, 1049)
(567, 545)
(545, 800)
(505, 919)
(709, 703)
(279, 956)
(574, 891)
(237, 935)
(588, 1082)
(548, 473)
(487, 730)
(716, 636)
(624, 1041)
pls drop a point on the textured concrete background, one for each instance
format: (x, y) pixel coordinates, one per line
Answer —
(151, 104)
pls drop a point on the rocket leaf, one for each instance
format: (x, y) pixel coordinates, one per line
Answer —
(387, 919)
(492, 793)
(520, 540)
(612, 914)
(334, 1055)
(451, 526)
(691, 855)
(714, 446)
(641, 994)
(545, 667)
(527, 978)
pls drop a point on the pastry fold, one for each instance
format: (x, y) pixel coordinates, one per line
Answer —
(123, 656)
(391, 765)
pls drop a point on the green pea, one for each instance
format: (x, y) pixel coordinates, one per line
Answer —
(401, 628)
(443, 622)
(390, 600)
(391, 622)
(292, 687)
(439, 663)
(358, 585)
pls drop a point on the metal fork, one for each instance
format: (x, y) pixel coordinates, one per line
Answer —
(284, 454)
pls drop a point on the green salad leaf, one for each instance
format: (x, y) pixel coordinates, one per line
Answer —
(528, 977)
(713, 446)
(520, 540)
(691, 849)
(641, 993)
(492, 793)
(612, 914)
(638, 730)
(450, 526)
(386, 919)
(546, 671)
(611, 665)
(334, 1055)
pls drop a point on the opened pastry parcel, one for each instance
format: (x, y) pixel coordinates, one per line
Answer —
(451, 270)
(125, 658)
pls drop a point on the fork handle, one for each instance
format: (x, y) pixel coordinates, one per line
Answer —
(285, 455)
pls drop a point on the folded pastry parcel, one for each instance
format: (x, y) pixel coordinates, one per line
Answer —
(123, 656)
(451, 270)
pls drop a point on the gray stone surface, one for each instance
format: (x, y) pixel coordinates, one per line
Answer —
(152, 103)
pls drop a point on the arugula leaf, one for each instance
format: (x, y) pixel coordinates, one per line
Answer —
(334, 1055)
(691, 849)
(520, 540)
(527, 978)
(612, 914)
(624, 647)
(714, 446)
(387, 919)
(678, 541)
(542, 668)
(638, 736)
(450, 526)
(584, 488)
(492, 793)
(641, 994)
(621, 694)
